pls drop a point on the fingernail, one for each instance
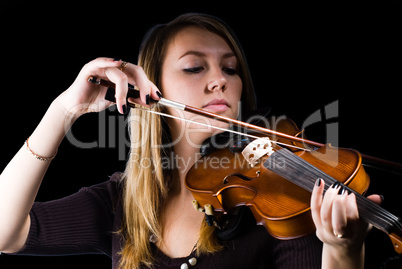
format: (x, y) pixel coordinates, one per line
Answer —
(382, 198)
(318, 182)
(116, 59)
(124, 109)
(335, 185)
(159, 94)
(341, 190)
(147, 99)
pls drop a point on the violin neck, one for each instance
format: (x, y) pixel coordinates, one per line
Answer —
(293, 168)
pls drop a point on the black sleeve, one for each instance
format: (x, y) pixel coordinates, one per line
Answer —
(304, 252)
(78, 224)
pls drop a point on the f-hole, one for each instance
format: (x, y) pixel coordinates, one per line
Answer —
(241, 176)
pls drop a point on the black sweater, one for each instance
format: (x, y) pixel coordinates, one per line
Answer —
(87, 221)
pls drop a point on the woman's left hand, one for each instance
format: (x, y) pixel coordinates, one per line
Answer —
(336, 217)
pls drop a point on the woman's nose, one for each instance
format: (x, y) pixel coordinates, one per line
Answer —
(217, 81)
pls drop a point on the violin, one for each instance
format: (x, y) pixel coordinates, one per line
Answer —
(277, 187)
(275, 173)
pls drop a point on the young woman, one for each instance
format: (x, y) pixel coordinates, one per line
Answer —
(144, 217)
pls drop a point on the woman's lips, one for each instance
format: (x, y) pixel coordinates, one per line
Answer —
(217, 105)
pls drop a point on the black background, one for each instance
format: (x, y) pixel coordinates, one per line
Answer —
(303, 56)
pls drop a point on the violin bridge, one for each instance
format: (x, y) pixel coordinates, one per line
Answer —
(257, 149)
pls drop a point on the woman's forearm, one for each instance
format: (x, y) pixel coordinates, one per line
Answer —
(21, 179)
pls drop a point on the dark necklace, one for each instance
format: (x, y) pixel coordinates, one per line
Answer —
(191, 262)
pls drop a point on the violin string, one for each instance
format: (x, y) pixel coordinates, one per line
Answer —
(370, 210)
(220, 128)
(366, 206)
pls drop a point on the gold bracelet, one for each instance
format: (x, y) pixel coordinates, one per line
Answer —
(38, 157)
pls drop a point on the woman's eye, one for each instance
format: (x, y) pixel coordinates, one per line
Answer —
(193, 70)
(230, 71)
(198, 69)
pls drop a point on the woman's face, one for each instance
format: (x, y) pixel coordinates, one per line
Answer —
(200, 70)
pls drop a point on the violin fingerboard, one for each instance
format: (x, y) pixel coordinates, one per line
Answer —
(293, 168)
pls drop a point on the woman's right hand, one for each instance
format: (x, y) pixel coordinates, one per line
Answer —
(84, 97)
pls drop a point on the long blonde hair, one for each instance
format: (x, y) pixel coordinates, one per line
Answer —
(146, 182)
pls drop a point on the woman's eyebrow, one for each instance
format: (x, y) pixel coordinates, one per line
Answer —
(193, 52)
(202, 54)
(228, 55)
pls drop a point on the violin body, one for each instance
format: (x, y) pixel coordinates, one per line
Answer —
(278, 204)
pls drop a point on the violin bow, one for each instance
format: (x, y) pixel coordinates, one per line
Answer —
(370, 161)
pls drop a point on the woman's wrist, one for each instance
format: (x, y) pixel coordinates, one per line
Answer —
(70, 112)
(54, 125)
(343, 257)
